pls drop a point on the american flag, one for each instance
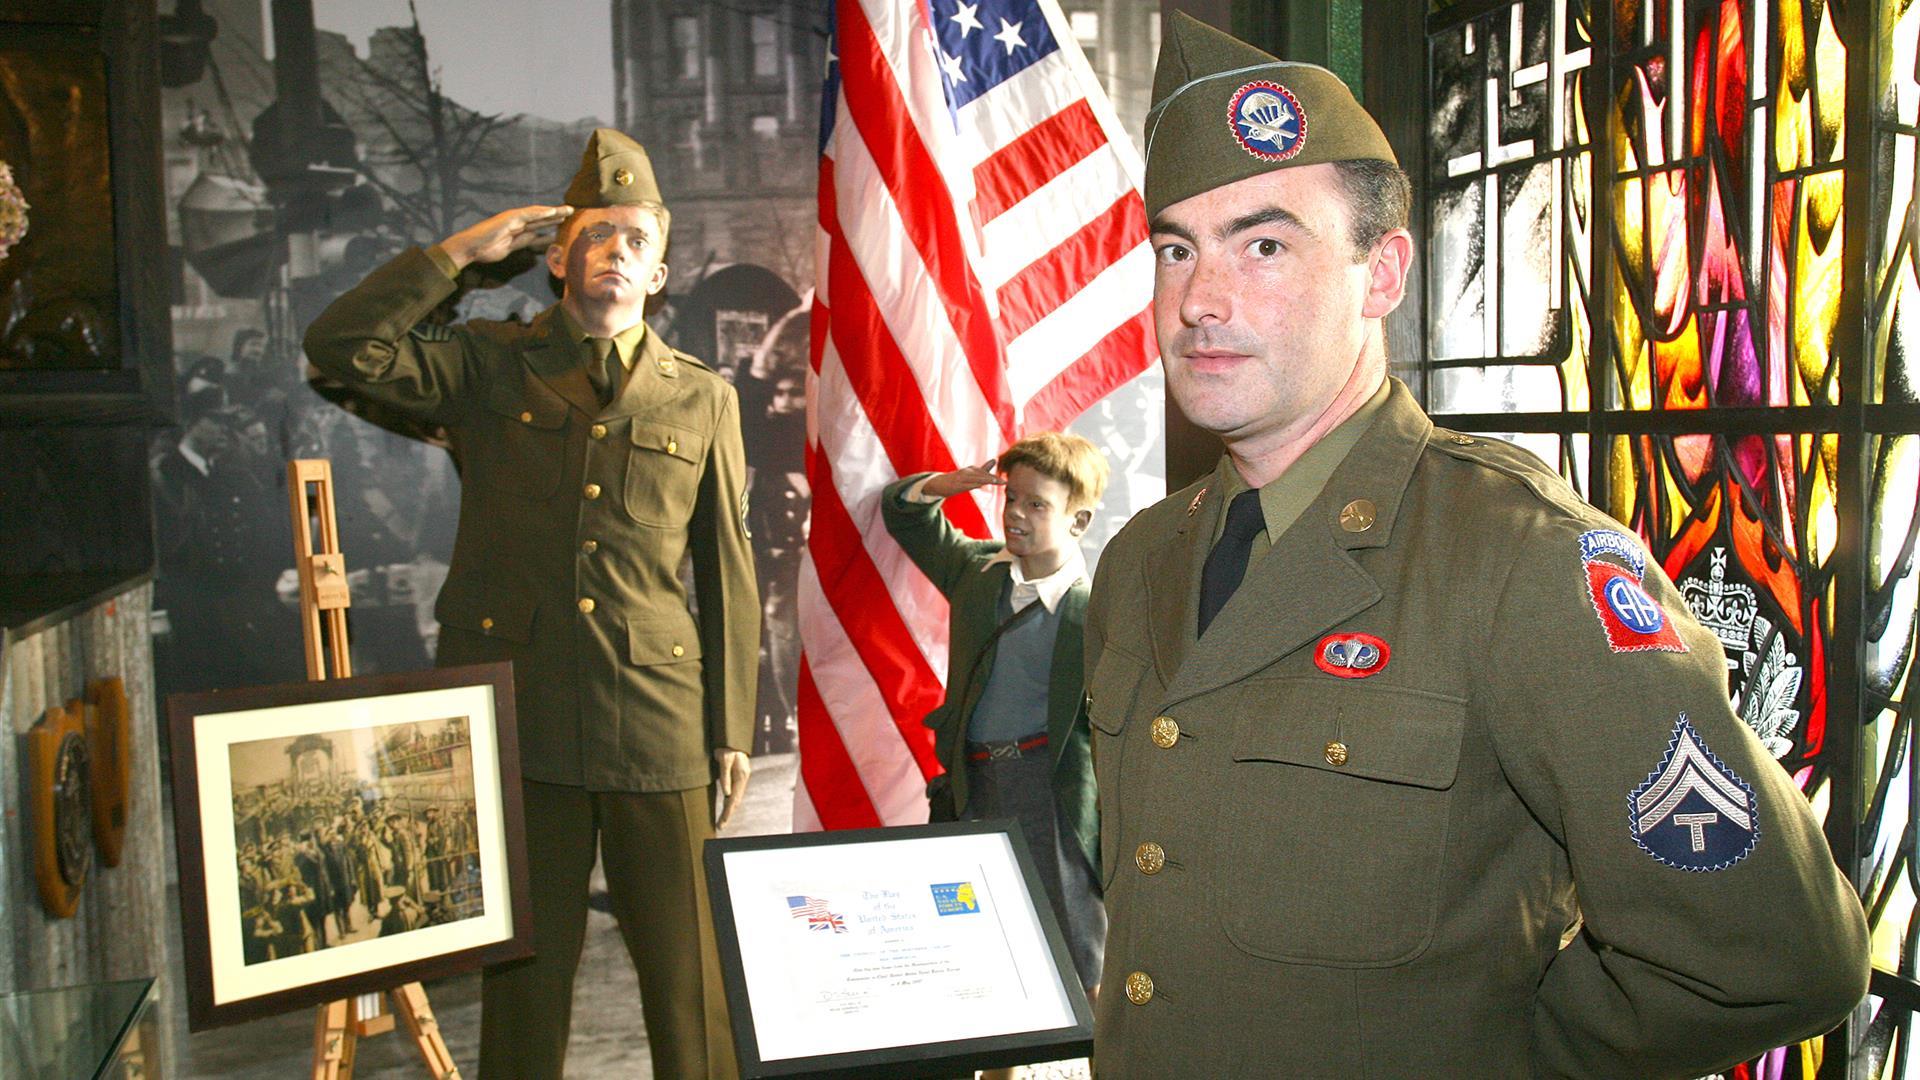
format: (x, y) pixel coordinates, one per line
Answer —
(814, 910)
(983, 272)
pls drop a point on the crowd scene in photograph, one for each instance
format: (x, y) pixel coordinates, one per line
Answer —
(326, 863)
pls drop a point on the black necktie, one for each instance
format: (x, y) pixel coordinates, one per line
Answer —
(605, 373)
(1227, 563)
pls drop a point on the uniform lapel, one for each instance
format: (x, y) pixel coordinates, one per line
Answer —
(649, 377)
(561, 363)
(1173, 578)
(1310, 581)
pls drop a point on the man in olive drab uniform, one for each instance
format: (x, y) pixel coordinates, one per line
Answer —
(1416, 764)
(594, 457)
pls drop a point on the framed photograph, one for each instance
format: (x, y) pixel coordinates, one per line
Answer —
(346, 836)
(915, 951)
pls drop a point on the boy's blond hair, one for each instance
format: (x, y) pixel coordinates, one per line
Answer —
(1070, 459)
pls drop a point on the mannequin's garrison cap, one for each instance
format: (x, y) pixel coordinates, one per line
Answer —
(614, 171)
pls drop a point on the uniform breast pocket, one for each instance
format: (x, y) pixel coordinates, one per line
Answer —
(1334, 825)
(663, 473)
(523, 451)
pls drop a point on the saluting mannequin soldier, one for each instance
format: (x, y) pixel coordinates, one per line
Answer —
(1416, 764)
(593, 458)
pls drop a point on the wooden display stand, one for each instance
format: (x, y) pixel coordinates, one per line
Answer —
(339, 1025)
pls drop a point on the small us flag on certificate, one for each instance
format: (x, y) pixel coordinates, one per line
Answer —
(814, 910)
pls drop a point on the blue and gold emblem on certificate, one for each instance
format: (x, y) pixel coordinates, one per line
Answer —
(955, 898)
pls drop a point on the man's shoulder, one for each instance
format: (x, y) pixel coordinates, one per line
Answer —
(1479, 475)
(1502, 496)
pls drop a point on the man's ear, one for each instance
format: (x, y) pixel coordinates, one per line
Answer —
(557, 260)
(659, 279)
(1081, 520)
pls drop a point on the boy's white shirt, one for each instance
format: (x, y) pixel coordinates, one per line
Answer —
(1048, 590)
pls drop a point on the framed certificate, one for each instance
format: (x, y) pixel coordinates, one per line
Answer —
(926, 950)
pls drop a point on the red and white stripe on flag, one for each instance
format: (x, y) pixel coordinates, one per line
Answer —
(983, 271)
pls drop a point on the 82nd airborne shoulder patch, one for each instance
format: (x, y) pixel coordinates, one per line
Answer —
(1693, 812)
(1633, 620)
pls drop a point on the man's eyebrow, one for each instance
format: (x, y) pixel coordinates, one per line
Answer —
(1163, 225)
(1272, 215)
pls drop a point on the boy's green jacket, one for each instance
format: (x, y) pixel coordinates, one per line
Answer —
(959, 567)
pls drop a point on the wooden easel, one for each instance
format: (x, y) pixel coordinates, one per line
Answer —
(339, 1025)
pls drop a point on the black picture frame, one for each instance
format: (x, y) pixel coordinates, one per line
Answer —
(933, 1059)
(187, 713)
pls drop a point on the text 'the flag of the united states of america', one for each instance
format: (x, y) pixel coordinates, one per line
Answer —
(983, 272)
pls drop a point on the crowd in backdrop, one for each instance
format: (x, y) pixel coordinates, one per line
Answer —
(328, 857)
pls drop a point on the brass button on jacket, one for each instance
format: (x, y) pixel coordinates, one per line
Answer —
(1336, 753)
(586, 605)
(673, 446)
(1149, 857)
(679, 650)
(486, 624)
(1166, 732)
(526, 418)
(598, 431)
(590, 546)
(592, 491)
(1139, 988)
(1358, 515)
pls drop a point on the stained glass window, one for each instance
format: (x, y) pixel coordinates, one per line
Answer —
(1639, 217)
(1892, 478)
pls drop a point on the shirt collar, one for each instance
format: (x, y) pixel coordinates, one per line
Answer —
(1049, 590)
(1287, 496)
(626, 341)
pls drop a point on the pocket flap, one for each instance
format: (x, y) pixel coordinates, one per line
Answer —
(1399, 736)
(689, 446)
(526, 404)
(1110, 693)
(653, 640)
(508, 616)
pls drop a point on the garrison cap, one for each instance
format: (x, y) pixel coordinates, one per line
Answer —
(614, 171)
(1224, 111)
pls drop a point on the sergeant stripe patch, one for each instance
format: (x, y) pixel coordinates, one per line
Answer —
(1693, 812)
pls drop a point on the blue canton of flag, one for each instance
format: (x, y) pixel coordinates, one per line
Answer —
(1693, 812)
(830, 83)
(984, 43)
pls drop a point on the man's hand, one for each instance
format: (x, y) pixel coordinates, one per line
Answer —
(503, 234)
(947, 485)
(735, 767)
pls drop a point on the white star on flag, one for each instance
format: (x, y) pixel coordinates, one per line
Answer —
(951, 65)
(1009, 36)
(967, 15)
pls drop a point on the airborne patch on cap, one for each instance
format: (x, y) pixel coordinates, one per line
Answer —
(1267, 121)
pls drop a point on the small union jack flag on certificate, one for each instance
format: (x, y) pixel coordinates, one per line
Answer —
(814, 910)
